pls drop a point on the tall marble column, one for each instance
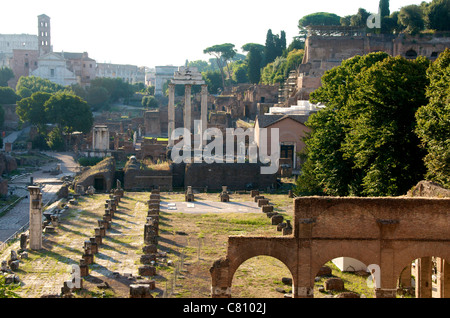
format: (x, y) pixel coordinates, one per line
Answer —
(35, 217)
(204, 110)
(187, 106)
(171, 113)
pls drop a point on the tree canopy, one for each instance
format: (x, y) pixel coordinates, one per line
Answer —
(69, 112)
(5, 75)
(319, 18)
(433, 121)
(363, 142)
(223, 54)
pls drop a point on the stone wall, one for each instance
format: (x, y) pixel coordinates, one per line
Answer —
(136, 178)
(104, 171)
(386, 232)
(236, 176)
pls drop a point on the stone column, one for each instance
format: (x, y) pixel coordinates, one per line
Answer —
(187, 106)
(443, 278)
(204, 109)
(171, 113)
(405, 277)
(423, 278)
(35, 218)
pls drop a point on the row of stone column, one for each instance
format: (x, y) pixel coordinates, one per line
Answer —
(187, 110)
(277, 219)
(150, 248)
(91, 246)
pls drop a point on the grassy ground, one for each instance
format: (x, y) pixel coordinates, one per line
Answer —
(192, 243)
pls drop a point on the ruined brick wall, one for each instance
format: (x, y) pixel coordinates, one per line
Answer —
(325, 52)
(236, 176)
(136, 178)
(389, 232)
(104, 170)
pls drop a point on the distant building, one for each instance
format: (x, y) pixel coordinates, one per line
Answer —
(28, 55)
(162, 75)
(52, 66)
(128, 73)
(19, 52)
(81, 65)
(292, 129)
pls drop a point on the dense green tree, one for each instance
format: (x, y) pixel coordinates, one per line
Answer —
(254, 61)
(274, 47)
(202, 66)
(213, 80)
(5, 75)
(223, 54)
(360, 18)
(24, 92)
(97, 97)
(319, 18)
(8, 96)
(55, 140)
(412, 18)
(278, 71)
(31, 109)
(326, 168)
(384, 10)
(240, 70)
(380, 139)
(391, 24)
(69, 112)
(38, 84)
(433, 121)
(438, 15)
(296, 44)
(150, 101)
(116, 87)
(363, 141)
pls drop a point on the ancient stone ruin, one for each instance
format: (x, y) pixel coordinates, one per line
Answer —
(386, 234)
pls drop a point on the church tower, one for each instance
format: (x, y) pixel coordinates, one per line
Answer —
(44, 34)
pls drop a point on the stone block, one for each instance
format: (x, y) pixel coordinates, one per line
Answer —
(150, 249)
(257, 197)
(334, 283)
(147, 259)
(147, 270)
(277, 219)
(254, 193)
(267, 208)
(324, 271)
(140, 291)
(262, 202)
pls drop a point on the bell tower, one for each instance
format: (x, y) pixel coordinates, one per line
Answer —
(44, 34)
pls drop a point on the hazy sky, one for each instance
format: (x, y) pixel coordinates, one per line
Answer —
(151, 33)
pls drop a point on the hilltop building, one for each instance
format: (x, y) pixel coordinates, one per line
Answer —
(33, 55)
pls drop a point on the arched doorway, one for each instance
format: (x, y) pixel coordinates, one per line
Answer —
(425, 277)
(262, 277)
(411, 54)
(99, 183)
(344, 277)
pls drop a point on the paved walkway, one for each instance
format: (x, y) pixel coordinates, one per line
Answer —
(18, 216)
(206, 206)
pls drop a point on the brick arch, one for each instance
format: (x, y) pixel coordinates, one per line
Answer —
(408, 252)
(367, 253)
(242, 250)
(390, 232)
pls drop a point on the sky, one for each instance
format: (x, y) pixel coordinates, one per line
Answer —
(155, 33)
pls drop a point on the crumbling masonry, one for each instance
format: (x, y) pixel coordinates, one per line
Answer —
(384, 233)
